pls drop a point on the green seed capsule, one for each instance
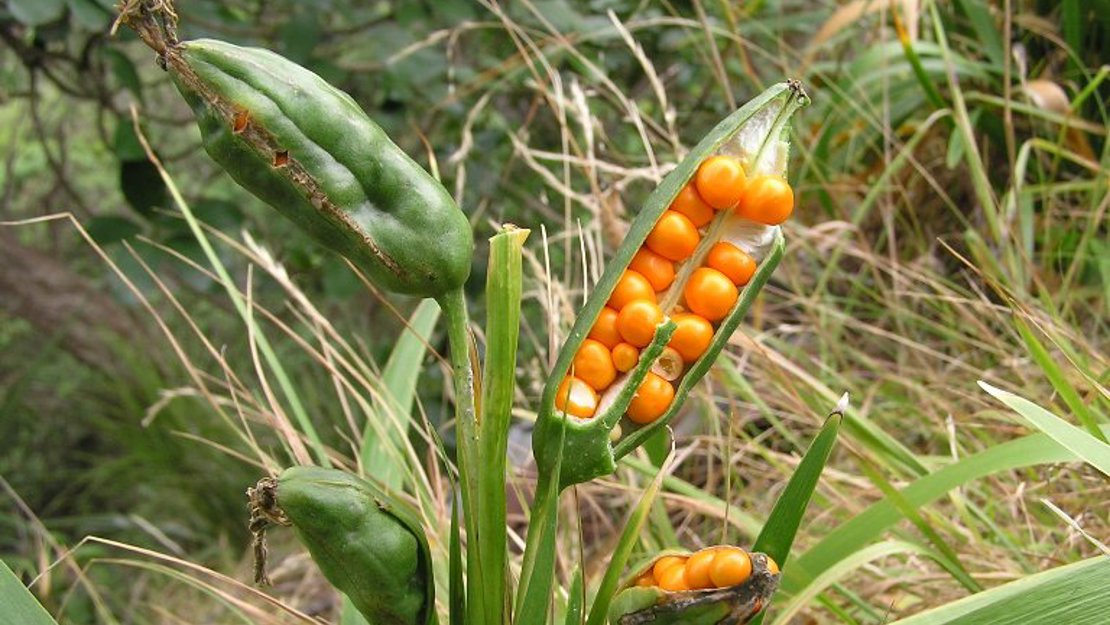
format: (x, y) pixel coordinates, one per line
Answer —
(753, 139)
(642, 604)
(308, 150)
(367, 547)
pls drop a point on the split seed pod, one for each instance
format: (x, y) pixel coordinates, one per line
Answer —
(750, 144)
(641, 600)
(368, 547)
(307, 149)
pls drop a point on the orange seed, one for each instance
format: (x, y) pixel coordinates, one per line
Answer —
(720, 181)
(631, 287)
(593, 364)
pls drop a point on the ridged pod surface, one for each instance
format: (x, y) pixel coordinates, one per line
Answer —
(736, 605)
(307, 149)
(367, 547)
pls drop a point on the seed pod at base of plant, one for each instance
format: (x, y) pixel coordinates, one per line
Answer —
(710, 247)
(367, 546)
(307, 149)
(659, 593)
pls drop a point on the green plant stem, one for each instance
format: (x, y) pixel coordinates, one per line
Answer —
(537, 573)
(466, 437)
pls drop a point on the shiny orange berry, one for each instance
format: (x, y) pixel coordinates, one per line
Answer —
(692, 336)
(730, 567)
(645, 580)
(625, 357)
(593, 364)
(576, 398)
(767, 200)
(651, 400)
(689, 203)
(636, 322)
(720, 181)
(666, 562)
(674, 579)
(658, 270)
(674, 236)
(710, 294)
(732, 261)
(772, 566)
(605, 328)
(697, 569)
(631, 287)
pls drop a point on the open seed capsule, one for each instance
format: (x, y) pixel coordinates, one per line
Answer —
(721, 584)
(689, 268)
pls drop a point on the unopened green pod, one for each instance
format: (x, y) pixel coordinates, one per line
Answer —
(369, 548)
(307, 149)
(584, 448)
(736, 605)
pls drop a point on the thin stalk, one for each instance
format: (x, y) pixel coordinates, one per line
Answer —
(537, 573)
(466, 436)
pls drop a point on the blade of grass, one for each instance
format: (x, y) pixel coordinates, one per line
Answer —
(947, 555)
(1086, 447)
(599, 610)
(268, 353)
(399, 377)
(985, 29)
(838, 572)
(777, 535)
(1055, 375)
(736, 516)
(1077, 594)
(19, 605)
(537, 571)
(868, 525)
(457, 588)
(575, 599)
(503, 292)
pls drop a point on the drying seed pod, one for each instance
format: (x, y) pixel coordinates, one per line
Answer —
(307, 149)
(700, 206)
(715, 586)
(368, 547)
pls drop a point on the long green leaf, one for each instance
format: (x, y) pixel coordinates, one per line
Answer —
(384, 439)
(947, 556)
(777, 535)
(17, 605)
(575, 599)
(503, 292)
(1088, 448)
(1059, 381)
(838, 572)
(629, 537)
(868, 525)
(537, 570)
(1076, 594)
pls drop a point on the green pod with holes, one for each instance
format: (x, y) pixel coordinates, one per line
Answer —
(578, 450)
(735, 605)
(307, 149)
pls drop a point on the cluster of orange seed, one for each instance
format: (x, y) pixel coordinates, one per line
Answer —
(627, 324)
(712, 567)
